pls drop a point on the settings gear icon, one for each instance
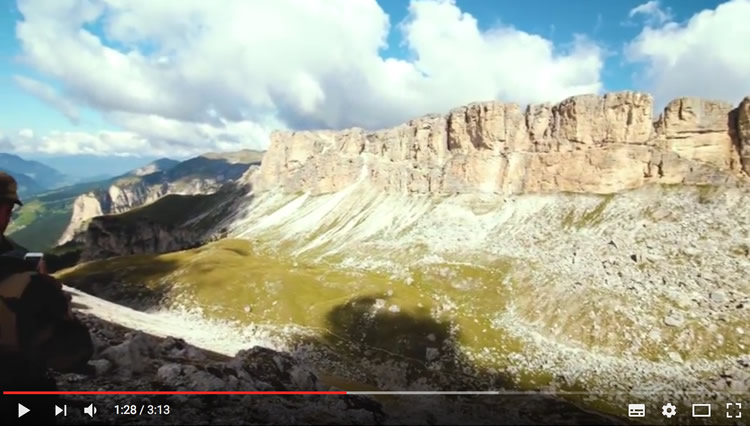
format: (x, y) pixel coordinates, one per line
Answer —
(668, 410)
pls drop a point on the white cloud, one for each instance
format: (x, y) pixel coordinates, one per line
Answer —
(94, 143)
(26, 133)
(652, 12)
(706, 56)
(231, 135)
(49, 95)
(463, 64)
(152, 135)
(196, 76)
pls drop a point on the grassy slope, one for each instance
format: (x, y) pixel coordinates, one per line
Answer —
(38, 224)
(172, 209)
(233, 280)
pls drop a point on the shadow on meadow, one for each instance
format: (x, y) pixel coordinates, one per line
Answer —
(411, 350)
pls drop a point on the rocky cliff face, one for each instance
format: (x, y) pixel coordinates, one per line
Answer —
(200, 175)
(120, 198)
(174, 222)
(743, 133)
(106, 236)
(593, 144)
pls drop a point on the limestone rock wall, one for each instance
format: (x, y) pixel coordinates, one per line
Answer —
(106, 236)
(743, 133)
(119, 198)
(588, 143)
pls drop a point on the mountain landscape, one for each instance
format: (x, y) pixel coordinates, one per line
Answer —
(55, 217)
(584, 246)
(377, 212)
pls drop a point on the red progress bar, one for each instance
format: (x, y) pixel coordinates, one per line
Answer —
(174, 393)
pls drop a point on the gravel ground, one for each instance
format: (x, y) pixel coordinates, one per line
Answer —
(131, 360)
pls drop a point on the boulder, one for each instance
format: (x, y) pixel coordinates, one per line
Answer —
(674, 319)
(129, 357)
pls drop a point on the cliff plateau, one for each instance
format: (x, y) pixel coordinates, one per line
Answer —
(588, 143)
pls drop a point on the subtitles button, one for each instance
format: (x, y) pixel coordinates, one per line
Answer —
(636, 410)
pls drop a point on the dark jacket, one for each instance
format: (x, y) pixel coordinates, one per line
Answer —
(37, 332)
(9, 247)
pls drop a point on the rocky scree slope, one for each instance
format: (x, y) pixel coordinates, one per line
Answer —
(588, 143)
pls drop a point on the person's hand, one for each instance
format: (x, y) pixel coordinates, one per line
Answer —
(49, 279)
(41, 267)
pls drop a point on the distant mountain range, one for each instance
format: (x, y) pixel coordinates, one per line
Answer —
(93, 167)
(37, 177)
(33, 177)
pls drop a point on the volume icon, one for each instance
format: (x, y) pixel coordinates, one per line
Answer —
(90, 410)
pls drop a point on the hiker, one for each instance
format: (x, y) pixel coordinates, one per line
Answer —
(8, 200)
(37, 329)
(37, 332)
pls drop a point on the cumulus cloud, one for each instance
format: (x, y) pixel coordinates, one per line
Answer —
(26, 133)
(93, 143)
(705, 56)
(224, 135)
(152, 135)
(195, 76)
(652, 12)
(49, 95)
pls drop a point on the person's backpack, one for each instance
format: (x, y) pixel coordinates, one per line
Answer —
(36, 322)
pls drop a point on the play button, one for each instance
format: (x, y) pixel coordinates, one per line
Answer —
(22, 410)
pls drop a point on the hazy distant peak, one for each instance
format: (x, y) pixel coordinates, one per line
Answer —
(7, 157)
(160, 165)
(243, 156)
(33, 176)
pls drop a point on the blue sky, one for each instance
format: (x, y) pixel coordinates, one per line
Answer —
(20, 109)
(180, 123)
